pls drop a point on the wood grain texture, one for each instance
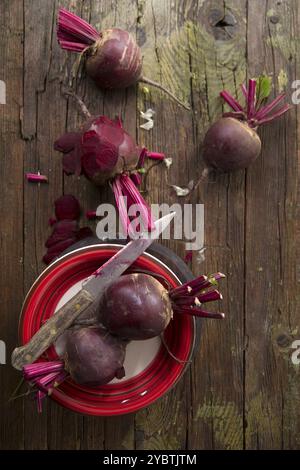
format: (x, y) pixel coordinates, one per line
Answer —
(242, 390)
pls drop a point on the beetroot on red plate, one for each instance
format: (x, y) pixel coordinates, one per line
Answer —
(93, 356)
(112, 57)
(137, 306)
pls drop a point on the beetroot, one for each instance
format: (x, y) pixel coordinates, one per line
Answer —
(137, 306)
(112, 57)
(93, 356)
(104, 152)
(232, 142)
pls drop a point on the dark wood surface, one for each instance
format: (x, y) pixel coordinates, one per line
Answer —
(242, 390)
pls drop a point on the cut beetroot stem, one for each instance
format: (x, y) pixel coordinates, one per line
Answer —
(251, 98)
(36, 178)
(39, 399)
(91, 215)
(254, 112)
(197, 312)
(210, 296)
(187, 300)
(32, 371)
(156, 155)
(44, 383)
(142, 157)
(74, 33)
(60, 378)
(135, 195)
(136, 178)
(232, 102)
(120, 201)
(195, 286)
(278, 113)
(189, 287)
(245, 91)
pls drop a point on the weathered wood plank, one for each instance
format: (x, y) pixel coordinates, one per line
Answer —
(11, 207)
(117, 432)
(160, 24)
(272, 382)
(218, 61)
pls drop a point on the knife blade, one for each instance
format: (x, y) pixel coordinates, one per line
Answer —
(89, 294)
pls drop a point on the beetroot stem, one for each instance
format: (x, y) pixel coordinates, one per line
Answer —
(204, 175)
(188, 287)
(278, 113)
(198, 312)
(195, 301)
(165, 90)
(91, 215)
(180, 361)
(265, 110)
(244, 90)
(156, 155)
(231, 101)
(251, 98)
(36, 178)
(119, 197)
(74, 33)
(135, 195)
(80, 103)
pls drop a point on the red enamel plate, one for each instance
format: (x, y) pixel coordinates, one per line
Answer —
(150, 371)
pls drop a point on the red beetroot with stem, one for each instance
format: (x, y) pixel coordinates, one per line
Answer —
(137, 306)
(104, 152)
(112, 57)
(93, 357)
(232, 142)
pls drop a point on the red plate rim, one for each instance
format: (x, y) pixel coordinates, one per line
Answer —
(123, 397)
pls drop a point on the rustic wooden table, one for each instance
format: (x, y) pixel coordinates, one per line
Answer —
(242, 390)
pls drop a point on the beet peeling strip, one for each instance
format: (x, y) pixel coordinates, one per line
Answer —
(104, 152)
(112, 57)
(232, 142)
(65, 228)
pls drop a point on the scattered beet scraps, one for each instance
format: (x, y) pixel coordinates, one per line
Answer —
(36, 178)
(65, 228)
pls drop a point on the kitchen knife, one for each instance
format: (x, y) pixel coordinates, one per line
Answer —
(89, 294)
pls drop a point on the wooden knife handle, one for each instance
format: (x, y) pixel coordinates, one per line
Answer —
(51, 330)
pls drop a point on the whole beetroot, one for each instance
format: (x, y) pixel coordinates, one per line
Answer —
(94, 357)
(232, 142)
(112, 57)
(137, 306)
(230, 145)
